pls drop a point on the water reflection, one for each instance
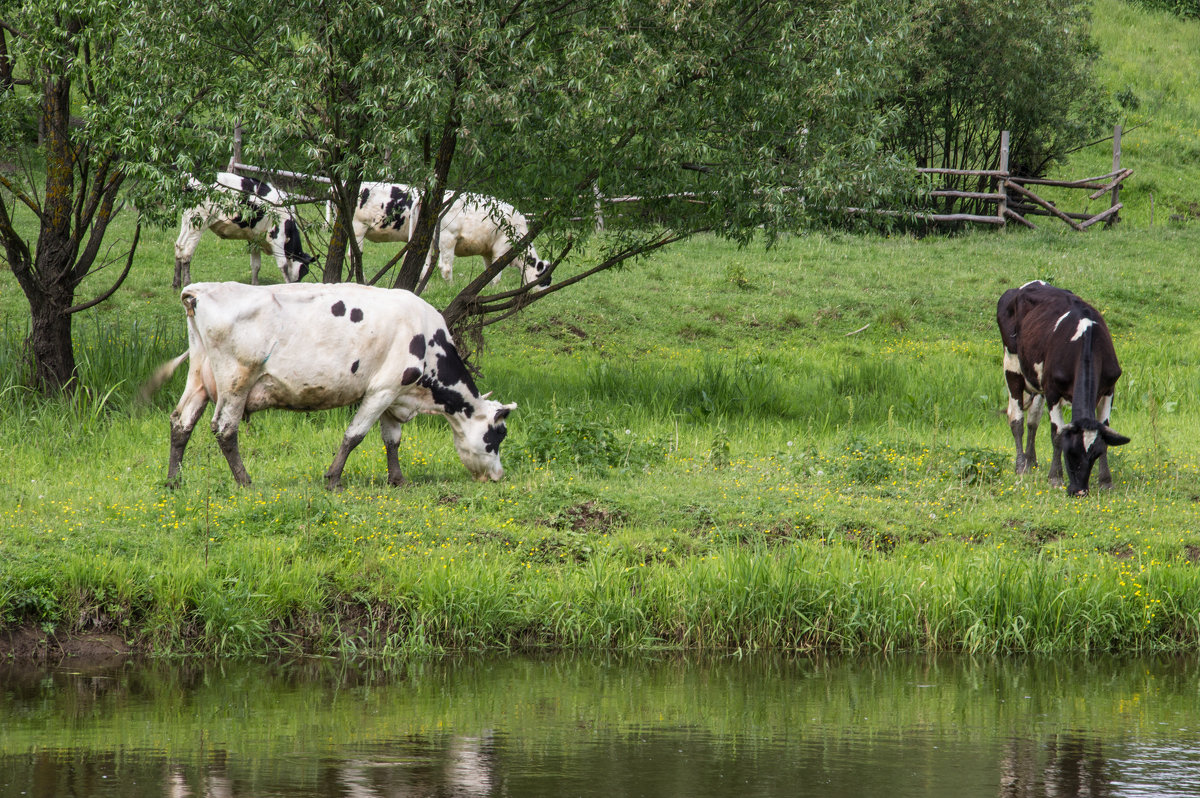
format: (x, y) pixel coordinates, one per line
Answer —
(599, 726)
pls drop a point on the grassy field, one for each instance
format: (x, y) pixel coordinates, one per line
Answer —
(797, 447)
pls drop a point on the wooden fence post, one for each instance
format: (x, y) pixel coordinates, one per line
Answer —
(1116, 192)
(236, 157)
(1002, 205)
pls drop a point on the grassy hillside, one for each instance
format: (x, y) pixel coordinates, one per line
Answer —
(796, 447)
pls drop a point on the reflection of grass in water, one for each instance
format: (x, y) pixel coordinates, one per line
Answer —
(320, 709)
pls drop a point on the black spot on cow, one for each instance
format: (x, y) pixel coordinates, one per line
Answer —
(493, 438)
(450, 400)
(363, 196)
(354, 367)
(258, 187)
(356, 315)
(410, 375)
(417, 347)
(339, 308)
(253, 214)
(394, 209)
(450, 368)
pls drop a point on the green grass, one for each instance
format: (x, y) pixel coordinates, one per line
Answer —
(800, 447)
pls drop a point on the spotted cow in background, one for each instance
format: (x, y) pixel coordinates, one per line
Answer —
(386, 212)
(312, 347)
(256, 212)
(1058, 352)
(485, 226)
(473, 224)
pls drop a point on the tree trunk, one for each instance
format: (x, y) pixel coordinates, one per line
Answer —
(50, 345)
(6, 67)
(336, 255)
(431, 201)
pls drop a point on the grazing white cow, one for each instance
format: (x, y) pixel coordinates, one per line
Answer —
(488, 227)
(472, 225)
(303, 346)
(261, 217)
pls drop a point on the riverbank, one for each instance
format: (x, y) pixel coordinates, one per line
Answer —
(799, 448)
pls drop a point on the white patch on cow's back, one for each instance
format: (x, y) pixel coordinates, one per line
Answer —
(1084, 324)
(1034, 282)
(1089, 438)
(1061, 319)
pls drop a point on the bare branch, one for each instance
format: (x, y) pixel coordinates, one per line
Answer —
(137, 233)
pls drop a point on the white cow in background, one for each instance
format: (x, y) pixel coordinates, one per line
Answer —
(473, 224)
(256, 211)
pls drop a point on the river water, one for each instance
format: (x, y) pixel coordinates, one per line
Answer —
(604, 726)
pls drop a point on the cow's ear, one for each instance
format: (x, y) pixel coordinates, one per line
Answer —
(1072, 427)
(1112, 438)
(503, 411)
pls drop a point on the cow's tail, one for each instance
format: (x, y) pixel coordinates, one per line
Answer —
(160, 377)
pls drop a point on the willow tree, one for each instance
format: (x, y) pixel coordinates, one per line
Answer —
(721, 115)
(103, 101)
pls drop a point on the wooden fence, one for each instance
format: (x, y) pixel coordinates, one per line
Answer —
(1015, 200)
(1012, 195)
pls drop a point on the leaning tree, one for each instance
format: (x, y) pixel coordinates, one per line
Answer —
(719, 115)
(103, 96)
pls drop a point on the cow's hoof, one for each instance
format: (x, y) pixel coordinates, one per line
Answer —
(1056, 482)
(397, 481)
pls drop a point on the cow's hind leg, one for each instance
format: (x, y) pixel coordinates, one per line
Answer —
(1016, 409)
(226, 417)
(371, 409)
(183, 421)
(391, 427)
(1033, 418)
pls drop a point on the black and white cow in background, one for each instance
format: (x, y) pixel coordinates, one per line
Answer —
(1058, 351)
(472, 225)
(256, 212)
(304, 346)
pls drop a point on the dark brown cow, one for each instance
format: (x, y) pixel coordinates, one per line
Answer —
(1058, 352)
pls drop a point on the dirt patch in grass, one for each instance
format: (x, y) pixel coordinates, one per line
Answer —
(1191, 553)
(31, 644)
(588, 517)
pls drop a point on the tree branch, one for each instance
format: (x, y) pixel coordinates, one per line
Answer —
(137, 233)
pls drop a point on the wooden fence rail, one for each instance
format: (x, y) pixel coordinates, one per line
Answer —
(1011, 194)
(1015, 200)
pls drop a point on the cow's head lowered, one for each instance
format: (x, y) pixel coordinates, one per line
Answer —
(1083, 442)
(535, 271)
(477, 439)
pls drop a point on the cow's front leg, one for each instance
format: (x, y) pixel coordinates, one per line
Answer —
(372, 408)
(1103, 475)
(391, 427)
(446, 245)
(255, 264)
(1057, 423)
(226, 418)
(183, 273)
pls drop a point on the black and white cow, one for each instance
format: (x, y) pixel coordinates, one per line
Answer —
(302, 346)
(255, 212)
(485, 226)
(472, 225)
(1058, 352)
